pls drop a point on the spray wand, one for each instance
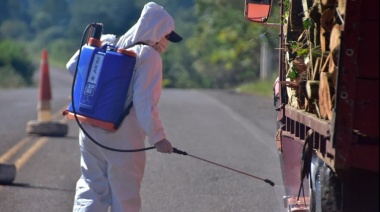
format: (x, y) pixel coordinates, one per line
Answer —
(177, 151)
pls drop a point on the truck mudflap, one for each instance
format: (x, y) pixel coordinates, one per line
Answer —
(297, 191)
(310, 184)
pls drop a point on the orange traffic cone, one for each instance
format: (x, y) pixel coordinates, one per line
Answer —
(44, 109)
(44, 126)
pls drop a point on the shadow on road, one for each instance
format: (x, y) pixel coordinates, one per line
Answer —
(25, 185)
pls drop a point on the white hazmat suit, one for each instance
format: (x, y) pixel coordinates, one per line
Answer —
(113, 178)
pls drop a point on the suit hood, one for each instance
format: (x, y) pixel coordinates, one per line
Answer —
(154, 24)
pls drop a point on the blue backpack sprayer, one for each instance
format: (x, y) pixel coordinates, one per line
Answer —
(100, 86)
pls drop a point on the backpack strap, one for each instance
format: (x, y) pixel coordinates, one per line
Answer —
(123, 115)
(127, 109)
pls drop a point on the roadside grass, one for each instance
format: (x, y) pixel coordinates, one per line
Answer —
(261, 87)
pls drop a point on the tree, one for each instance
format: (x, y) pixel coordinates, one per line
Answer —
(117, 16)
(14, 29)
(14, 61)
(225, 55)
(220, 48)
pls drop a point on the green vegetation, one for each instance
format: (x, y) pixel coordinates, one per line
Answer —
(220, 48)
(293, 73)
(16, 68)
(263, 87)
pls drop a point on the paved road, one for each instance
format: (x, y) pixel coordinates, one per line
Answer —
(235, 130)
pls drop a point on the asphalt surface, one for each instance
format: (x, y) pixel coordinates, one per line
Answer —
(234, 130)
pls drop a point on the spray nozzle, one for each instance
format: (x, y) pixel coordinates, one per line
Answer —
(175, 150)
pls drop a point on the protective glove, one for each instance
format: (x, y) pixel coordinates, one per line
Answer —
(164, 146)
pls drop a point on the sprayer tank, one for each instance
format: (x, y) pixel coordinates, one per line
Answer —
(101, 85)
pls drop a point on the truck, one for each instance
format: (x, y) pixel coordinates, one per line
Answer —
(327, 101)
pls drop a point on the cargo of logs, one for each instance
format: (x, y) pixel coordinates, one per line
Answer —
(312, 54)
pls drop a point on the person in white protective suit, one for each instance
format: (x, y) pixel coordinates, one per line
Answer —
(113, 179)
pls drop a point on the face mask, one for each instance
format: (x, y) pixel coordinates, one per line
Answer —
(162, 45)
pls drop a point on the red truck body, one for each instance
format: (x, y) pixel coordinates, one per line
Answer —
(328, 113)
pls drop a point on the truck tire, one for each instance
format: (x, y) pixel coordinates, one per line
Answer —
(325, 188)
